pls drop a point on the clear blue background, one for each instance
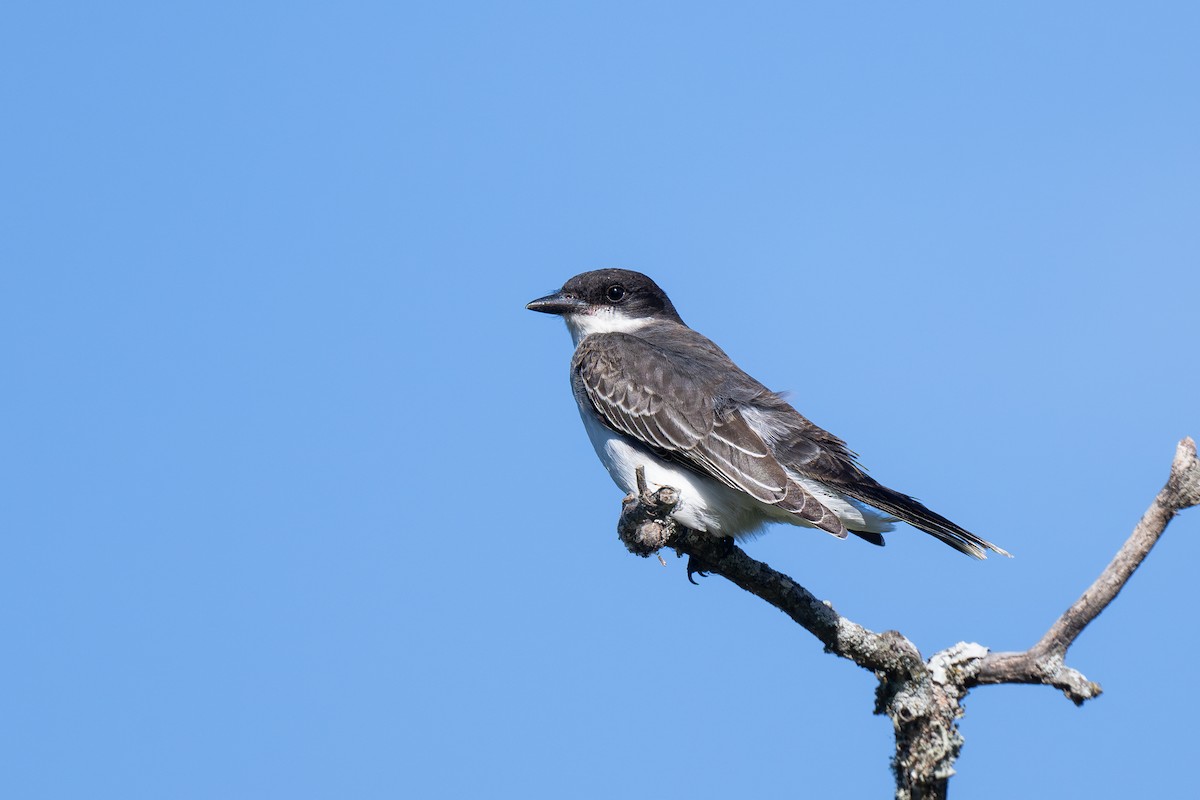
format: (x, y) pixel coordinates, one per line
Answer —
(296, 500)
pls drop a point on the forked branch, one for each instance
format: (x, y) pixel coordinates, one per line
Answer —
(921, 697)
(1043, 663)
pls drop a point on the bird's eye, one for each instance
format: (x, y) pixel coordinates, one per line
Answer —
(615, 293)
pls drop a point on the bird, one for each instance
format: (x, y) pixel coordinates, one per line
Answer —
(654, 393)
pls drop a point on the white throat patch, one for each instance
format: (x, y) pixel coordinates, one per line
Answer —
(601, 320)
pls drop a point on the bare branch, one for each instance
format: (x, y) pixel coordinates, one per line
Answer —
(646, 526)
(922, 699)
(887, 652)
(1034, 666)
(1043, 663)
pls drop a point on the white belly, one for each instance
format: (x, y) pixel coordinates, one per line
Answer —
(704, 504)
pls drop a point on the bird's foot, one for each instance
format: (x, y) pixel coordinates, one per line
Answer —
(698, 566)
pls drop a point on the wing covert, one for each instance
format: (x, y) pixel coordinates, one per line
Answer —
(636, 391)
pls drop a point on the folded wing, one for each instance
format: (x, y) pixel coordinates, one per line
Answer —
(640, 392)
(815, 453)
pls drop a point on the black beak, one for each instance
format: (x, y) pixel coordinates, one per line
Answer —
(557, 303)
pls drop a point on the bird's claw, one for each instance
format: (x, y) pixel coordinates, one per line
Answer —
(698, 566)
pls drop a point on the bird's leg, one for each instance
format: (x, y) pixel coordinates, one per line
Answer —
(697, 565)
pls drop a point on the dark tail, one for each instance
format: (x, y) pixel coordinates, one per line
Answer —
(914, 513)
(870, 536)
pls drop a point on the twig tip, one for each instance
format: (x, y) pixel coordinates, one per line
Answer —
(1185, 475)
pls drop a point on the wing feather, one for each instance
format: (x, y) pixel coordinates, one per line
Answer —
(638, 390)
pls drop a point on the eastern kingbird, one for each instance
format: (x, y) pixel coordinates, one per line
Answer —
(654, 393)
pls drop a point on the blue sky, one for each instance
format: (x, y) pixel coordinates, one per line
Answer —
(297, 500)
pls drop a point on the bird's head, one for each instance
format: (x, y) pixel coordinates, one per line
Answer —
(608, 300)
